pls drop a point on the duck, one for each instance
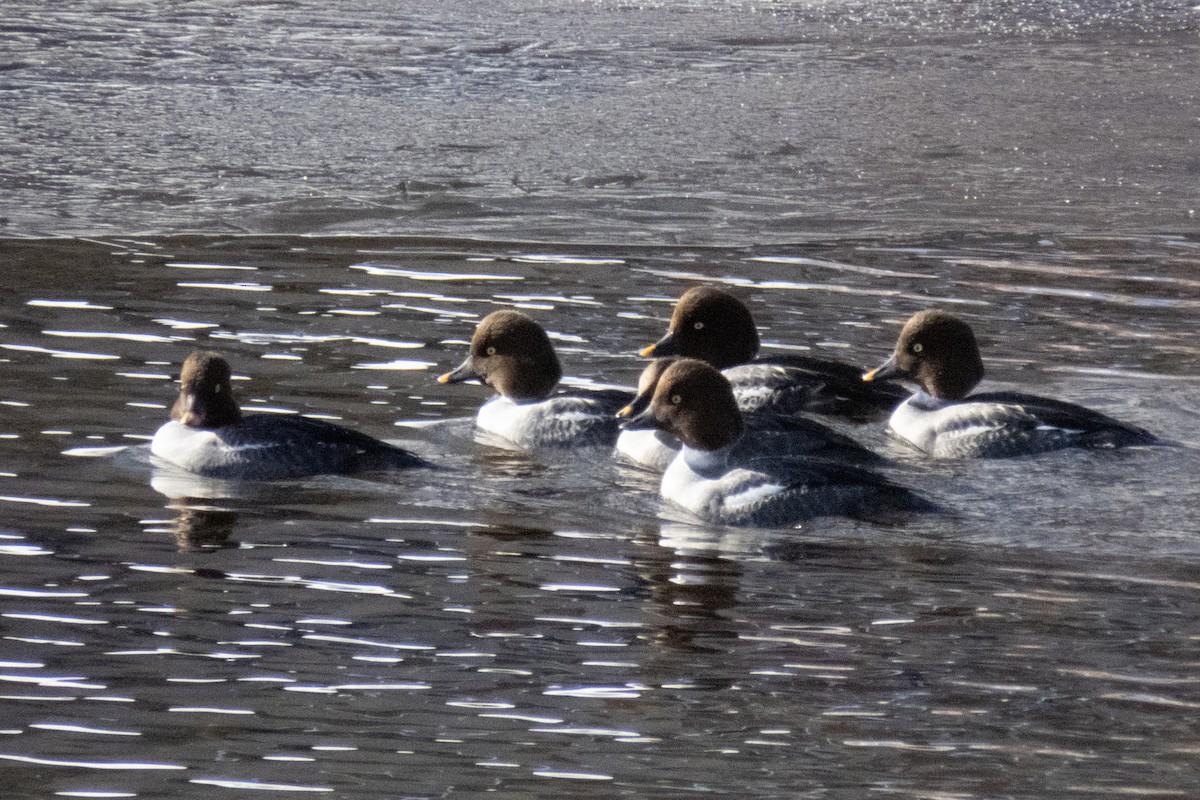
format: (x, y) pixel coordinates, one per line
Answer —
(937, 351)
(711, 324)
(209, 435)
(769, 434)
(695, 403)
(511, 353)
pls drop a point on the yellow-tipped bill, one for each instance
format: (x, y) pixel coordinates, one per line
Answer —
(463, 372)
(888, 369)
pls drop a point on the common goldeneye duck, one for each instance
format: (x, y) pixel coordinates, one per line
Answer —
(695, 403)
(209, 435)
(712, 325)
(511, 353)
(768, 434)
(938, 352)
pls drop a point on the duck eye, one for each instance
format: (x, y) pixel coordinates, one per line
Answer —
(917, 347)
(491, 351)
(676, 399)
(699, 326)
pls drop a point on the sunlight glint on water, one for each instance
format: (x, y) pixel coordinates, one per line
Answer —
(540, 626)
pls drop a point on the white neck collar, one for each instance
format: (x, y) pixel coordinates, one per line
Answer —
(707, 463)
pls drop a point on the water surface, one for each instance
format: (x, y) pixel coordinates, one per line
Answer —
(334, 197)
(526, 624)
(718, 122)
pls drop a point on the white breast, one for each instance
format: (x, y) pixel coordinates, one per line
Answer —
(732, 497)
(650, 449)
(506, 419)
(685, 488)
(186, 447)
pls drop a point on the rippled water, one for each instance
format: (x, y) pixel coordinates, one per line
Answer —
(525, 624)
(540, 625)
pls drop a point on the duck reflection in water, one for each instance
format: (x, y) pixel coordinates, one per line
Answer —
(689, 589)
(202, 526)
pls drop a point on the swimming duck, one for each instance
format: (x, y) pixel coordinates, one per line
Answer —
(695, 402)
(937, 351)
(768, 433)
(209, 435)
(511, 353)
(712, 325)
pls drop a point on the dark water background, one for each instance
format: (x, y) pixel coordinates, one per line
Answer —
(334, 196)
